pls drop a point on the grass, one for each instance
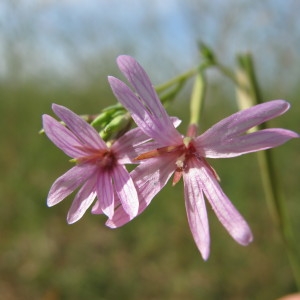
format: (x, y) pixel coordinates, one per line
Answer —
(153, 257)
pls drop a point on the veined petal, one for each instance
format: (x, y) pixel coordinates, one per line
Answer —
(133, 104)
(105, 193)
(84, 132)
(151, 125)
(139, 79)
(62, 137)
(149, 114)
(125, 146)
(149, 178)
(223, 208)
(125, 190)
(135, 142)
(96, 209)
(196, 211)
(82, 201)
(237, 124)
(251, 142)
(68, 183)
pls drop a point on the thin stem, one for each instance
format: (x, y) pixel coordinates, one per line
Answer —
(227, 72)
(176, 80)
(271, 183)
(171, 93)
(231, 75)
(197, 98)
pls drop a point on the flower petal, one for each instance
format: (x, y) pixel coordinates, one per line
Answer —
(148, 123)
(251, 142)
(139, 79)
(210, 143)
(105, 194)
(223, 208)
(196, 211)
(149, 178)
(82, 201)
(96, 209)
(125, 190)
(126, 145)
(68, 183)
(62, 137)
(84, 132)
(135, 142)
(146, 109)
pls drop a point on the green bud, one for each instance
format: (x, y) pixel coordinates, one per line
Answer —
(116, 127)
(113, 107)
(107, 115)
(207, 54)
(101, 119)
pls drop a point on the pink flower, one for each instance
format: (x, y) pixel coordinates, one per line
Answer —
(186, 156)
(99, 169)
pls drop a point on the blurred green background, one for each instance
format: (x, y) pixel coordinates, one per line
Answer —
(62, 51)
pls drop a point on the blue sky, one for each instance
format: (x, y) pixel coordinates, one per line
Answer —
(60, 36)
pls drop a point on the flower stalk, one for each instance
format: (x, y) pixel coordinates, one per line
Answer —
(246, 77)
(176, 80)
(197, 98)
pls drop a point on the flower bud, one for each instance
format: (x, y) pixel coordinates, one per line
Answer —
(116, 127)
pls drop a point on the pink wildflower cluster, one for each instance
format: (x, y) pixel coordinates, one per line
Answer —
(160, 152)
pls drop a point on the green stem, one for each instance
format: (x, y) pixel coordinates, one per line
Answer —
(197, 98)
(175, 80)
(227, 72)
(171, 93)
(275, 202)
(231, 75)
(271, 183)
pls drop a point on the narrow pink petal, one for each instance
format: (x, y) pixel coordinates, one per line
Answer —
(125, 190)
(223, 208)
(62, 137)
(139, 79)
(132, 103)
(252, 142)
(96, 209)
(237, 124)
(146, 109)
(125, 146)
(149, 178)
(84, 132)
(105, 194)
(153, 174)
(68, 183)
(119, 219)
(134, 143)
(151, 125)
(82, 201)
(146, 147)
(196, 211)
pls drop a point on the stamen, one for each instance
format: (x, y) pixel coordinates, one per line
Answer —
(102, 158)
(177, 175)
(158, 152)
(180, 163)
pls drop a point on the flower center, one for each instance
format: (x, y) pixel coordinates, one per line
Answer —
(105, 159)
(188, 150)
